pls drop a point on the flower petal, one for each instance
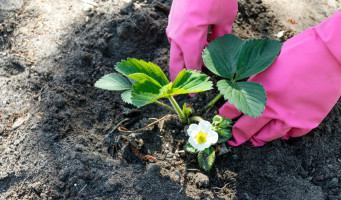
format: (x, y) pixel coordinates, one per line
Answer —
(196, 145)
(193, 142)
(212, 137)
(202, 147)
(205, 126)
(193, 129)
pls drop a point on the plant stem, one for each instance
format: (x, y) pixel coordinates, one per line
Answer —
(196, 118)
(178, 109)
(165, 105)
(209, 105)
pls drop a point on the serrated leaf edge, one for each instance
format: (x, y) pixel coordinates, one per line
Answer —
(237, 106)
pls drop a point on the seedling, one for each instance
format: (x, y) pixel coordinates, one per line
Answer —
(229, 57)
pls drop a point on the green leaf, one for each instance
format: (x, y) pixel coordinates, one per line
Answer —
(141, 77)
(145, 92)
(187, 110)
(255, 56)
(206, 160)
(114, 82)
(187, 81)
(222, 139)
(184, 108)
(221, 55)
(248, 97)
(225, 123)
(190, 81)
(207, 151)
(224, 135)
(126, 97)
(190, 149)
(133, 66)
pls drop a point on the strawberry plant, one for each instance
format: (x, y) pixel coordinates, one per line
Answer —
(229, 57)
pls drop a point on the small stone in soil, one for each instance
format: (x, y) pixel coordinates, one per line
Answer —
(4, 54)
(175, 176)
(279, 34)
(223, 149)
(334, 183)
(319, 178)
(149, 191)
(126, 9)
(153, 169)
(3, 175)
(19, 122)
(201, 180)
(169, 155)
(87, 8)
(59, 101)
(36, 186)
(138, 189)
(235, 157)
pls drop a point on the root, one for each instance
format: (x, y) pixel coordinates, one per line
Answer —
(124, 130)
(141, 156)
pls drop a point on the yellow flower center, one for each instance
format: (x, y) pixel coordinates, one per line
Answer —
(201, 137)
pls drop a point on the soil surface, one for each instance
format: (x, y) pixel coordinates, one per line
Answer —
(58, 133)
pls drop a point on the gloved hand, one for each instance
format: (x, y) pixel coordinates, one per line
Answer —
(302, 86)
(188, 24)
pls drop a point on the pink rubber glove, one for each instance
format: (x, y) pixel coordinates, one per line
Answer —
(187, 30)
(302, 85)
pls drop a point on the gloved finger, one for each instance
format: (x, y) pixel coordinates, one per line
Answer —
(222, 29)
(176, 63)
(296, 132)
(273, 130)
(246, 127)
(225, 23)
(219, 30)
(188, 53)
(193, 48)
(229, 111)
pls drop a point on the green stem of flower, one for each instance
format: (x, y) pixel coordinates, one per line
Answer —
(166, 106)
(196, 118)
(177, 108)
(209, 105)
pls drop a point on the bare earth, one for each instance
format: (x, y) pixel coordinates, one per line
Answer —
(56, 129)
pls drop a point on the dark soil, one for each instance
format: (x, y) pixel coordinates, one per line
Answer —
(57, 131)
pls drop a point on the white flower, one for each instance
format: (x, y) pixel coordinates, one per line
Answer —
(202, 136)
